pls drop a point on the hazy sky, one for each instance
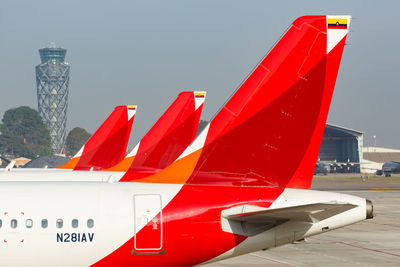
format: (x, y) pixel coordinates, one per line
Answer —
(146, 52)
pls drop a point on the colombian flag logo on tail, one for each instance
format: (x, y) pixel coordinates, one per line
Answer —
(335, 23)
(199, 95)
(131, 107)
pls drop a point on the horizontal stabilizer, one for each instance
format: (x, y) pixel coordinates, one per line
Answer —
(311, 213)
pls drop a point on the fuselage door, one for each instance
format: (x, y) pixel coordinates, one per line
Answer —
(148, 224)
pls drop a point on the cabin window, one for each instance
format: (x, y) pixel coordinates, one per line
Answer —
(75, 223)
(90, 223)
(14, 223)
(29, 223)
(59, 223)
(45, 223)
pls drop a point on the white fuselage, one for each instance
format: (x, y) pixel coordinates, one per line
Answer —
(117, 218)
(110, 206)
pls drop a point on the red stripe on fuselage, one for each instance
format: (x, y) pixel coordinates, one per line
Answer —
(192, 226)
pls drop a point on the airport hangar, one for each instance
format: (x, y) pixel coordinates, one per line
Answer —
(341, 148)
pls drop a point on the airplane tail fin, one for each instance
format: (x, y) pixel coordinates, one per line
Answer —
(269, 132)
(107, 146)
(167, 139)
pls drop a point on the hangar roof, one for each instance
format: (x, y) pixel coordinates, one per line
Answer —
(338, 131)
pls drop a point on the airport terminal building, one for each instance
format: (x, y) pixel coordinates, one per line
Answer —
(341, 148)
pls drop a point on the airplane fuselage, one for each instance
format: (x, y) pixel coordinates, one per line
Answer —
(81, 224)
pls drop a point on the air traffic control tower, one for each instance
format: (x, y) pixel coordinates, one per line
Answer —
(52, 80)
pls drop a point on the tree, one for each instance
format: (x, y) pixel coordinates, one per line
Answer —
(76, 138)
(23, 133)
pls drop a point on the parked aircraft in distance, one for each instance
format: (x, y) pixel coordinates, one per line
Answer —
(389, 168)
(325, 167)
(230, 192)
(322, 168)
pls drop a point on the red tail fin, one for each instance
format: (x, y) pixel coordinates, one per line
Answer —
(107, 146)
(270, 130)
(169, 136)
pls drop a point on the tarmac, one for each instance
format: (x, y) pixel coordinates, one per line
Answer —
(374, 242)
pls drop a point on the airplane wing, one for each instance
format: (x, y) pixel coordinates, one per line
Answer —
(311, 213)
